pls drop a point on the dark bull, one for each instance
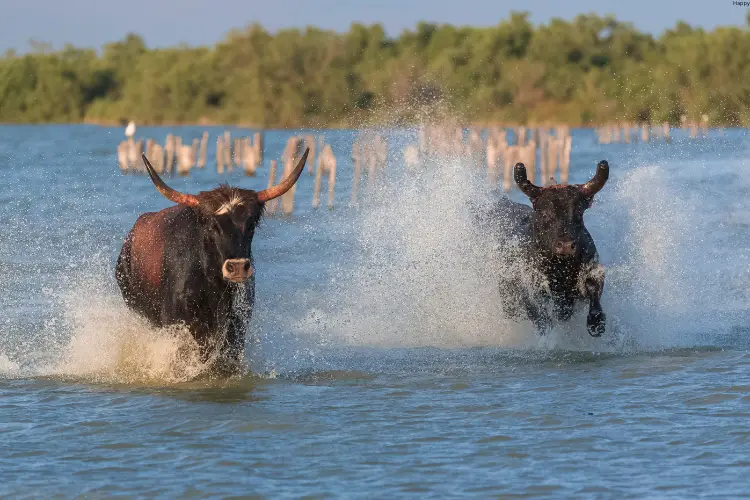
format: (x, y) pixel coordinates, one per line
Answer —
(557, 251)
(187, 264)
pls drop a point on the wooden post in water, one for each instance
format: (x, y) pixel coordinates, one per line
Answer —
(157, 158)
(194, 152)
(237, 153)
(137, 162)
(122, 156)
(289, 157)
(271, 205)
(327, 163)
(185, 159)
(227, 148)
(492, 155)
(258, 144)
(644, 132)
(543, 148)
(310, 143)
(287, 199)
(475, 145)
(331, 164)
(553, 148)
(529, 159)
(149, 146)
(319, 180)
(177, 141)
(357, 173)
(203, 150)
(220, 155)
(521, 131)
(411, 155)
(249, 158)
(565, 158)
(510, 155)
(169, 147)
(131, 153)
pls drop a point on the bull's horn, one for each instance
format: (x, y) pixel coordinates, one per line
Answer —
(597, 181)
(526, 187)
(286, 184)
(169, 193)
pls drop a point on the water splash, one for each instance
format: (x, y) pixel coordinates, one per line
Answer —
(423, 275)
(408, 268)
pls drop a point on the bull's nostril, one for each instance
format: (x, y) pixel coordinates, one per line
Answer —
(247, 266)
(230, 267)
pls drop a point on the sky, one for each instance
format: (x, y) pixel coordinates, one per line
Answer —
(91, 23)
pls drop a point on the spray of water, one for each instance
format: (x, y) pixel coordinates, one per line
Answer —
(421, 274)
(424, 275)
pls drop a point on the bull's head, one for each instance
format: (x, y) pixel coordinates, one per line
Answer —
(557, 224)
(229, 217)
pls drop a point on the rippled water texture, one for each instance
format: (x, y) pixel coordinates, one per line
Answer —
(379, 360)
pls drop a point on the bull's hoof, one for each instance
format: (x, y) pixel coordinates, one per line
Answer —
(596, 323)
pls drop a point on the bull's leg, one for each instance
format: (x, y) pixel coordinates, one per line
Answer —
(519, 303)
(537, 315)
(233, 350)
(593, 288)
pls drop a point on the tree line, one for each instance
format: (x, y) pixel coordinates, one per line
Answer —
(590, 70)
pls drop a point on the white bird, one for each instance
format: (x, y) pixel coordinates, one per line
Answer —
(130, 130)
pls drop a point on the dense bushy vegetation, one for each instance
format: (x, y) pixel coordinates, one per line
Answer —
(592, 69)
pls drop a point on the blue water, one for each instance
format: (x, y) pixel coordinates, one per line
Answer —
(380, 363)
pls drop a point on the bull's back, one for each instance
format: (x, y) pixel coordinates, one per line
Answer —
(505, 218)
(140, 266)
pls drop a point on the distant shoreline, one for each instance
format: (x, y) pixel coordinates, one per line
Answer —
(588, 71)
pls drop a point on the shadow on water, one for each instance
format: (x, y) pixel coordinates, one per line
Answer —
(246, 388)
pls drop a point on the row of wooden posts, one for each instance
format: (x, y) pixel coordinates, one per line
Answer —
(551, 146)
(625, 132)
(175, 156)
(369, 152)
(630, 132)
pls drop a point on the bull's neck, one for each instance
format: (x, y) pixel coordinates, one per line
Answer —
(559, 267)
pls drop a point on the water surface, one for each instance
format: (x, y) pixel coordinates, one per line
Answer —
(381, 363)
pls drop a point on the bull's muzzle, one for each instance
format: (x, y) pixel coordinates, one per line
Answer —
(565, 247)
(237, 270)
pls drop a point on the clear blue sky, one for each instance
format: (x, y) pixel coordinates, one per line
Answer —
(90, 23)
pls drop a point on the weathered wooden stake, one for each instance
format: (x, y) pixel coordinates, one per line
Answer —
(203, 150)
(169, 146)
(157, 158)
(227, 151)
(565, 160)
(319, 180)
(287, 199)
(331, 163)
(258, 144)
(220, 154)
(122, 156)
(271, 205)
(357, 173)
(237, 153)
(249, 157)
